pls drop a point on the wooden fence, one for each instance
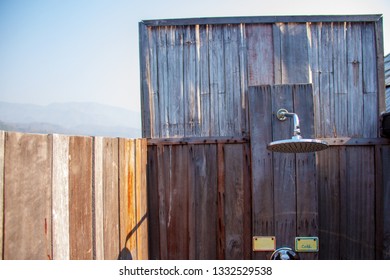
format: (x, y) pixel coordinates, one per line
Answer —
(200, 199)
(71, 197)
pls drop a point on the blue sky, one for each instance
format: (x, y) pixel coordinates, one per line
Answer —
(87, 50)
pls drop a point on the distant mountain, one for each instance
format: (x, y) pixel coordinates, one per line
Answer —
(71, 118)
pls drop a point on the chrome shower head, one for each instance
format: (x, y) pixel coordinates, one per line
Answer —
(296, 144)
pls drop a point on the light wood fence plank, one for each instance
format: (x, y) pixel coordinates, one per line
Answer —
(60, 192)
(98, 199)
(2, 138)
(110, 198)
(27, 196)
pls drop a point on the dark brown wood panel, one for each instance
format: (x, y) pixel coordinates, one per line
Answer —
(80, 198)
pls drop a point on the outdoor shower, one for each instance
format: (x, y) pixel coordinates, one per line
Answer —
(296, 144)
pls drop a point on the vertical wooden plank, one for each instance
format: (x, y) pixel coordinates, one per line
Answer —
(340, 76)
(326, 98)
(164, 167)
(277, 52)
(191, 204)
(370, 86)
(284, 171)
(329, 206)
(2, 140)
(343, 170)
(153, 85)
(306, 185)
(294, 53)
(110, 198)
(27, 197)
(177, 224)
(386, 202)
(380, 65)
(205, 182)
(98, 200)
(314, 35)
(355, 83)
(243, 81)
(141, 200)
(80, 198)
(234, 202)
(221, 203)
(217, 79)
(232, 80)
(260, 51)
(127, 200)
(145, 81)
(260, 114)
(154, 206)
(191, 89)
(163, 88)
(360, 241)
(60, 197)
(379, 203)
(204, 75)
(175, 80)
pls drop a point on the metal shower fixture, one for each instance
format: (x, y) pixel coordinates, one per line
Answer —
(296, 144)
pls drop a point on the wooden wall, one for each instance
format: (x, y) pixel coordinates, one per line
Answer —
(196, 76)
(195, 73)
(71, 197)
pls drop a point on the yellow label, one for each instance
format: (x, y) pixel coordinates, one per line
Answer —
(264, 243)
(306, 244)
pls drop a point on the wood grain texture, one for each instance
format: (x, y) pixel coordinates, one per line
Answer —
(386, 202)
(60, 197)
(221, 235)
(127, 199)
(284, 172)
(153, 202)
(306, 184)
(27, 197)
(98, 199)
(141, 200)
(2, 146)
(204, 160)
(80, 198)
(328, 178)
(111, 198)
(260, 112)
(260, 54)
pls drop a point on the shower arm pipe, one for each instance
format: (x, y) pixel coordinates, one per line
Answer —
(283, 114)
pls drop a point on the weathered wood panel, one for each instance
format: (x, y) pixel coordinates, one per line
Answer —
(27, 197)
(110, 198)
(306, 185)
(197, 186)
(260, 110)
(360, 209)
(260, 54)
(60, 197)
(386, 201)
(127, 203)
(2, 139)
(141, 200)
(204, 162)
(328, 174)
(80, 198)
(153, 201)
(284, 172)
(98, 194)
